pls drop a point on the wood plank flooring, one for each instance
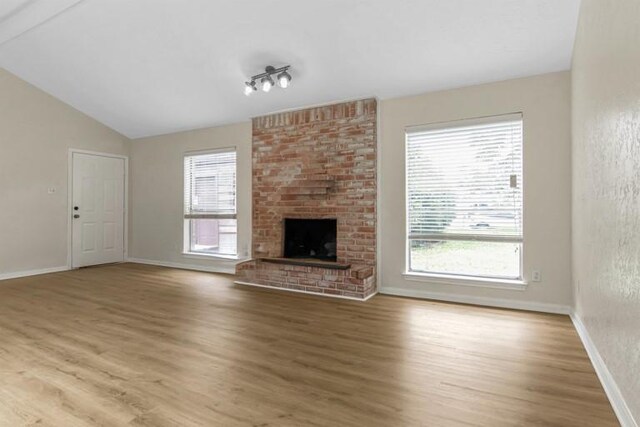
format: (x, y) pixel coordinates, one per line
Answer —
(134, 345)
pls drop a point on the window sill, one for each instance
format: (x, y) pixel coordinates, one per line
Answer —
(450, 279)
(196, 255)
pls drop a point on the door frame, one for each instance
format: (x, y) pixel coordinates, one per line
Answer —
(73, 151)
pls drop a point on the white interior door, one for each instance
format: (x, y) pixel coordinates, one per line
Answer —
(98, 210)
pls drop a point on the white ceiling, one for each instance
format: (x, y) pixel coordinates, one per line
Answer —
(19, 16)
(148, 67)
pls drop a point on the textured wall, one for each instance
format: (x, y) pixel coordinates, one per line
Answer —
(316, 163)
(606, 186)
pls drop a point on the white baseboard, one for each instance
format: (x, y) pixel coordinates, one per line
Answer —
(18, 274)
(490, 302)
(238, 282)
(195, 267)
(608, 383)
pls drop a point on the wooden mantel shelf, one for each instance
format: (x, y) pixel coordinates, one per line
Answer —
(308, 262)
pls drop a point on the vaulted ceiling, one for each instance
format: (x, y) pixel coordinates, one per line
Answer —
(147, 67)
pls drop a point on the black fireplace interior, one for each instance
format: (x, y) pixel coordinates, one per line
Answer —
(310, 238)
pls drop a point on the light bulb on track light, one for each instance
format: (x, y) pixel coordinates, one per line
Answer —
(267, 83)
(284, 79)
(249, 88)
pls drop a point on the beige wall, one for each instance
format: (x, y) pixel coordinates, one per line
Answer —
(156, 199)
(36, 133)
(156, 226)
(545, 103)
(606, 186)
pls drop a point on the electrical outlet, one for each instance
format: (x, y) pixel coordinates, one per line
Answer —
(51, 190)
(536, 276)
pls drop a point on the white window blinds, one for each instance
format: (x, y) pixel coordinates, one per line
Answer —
(464, 180)
(210, 185)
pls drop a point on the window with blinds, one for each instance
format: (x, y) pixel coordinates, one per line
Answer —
(210, 203)
(464, 197)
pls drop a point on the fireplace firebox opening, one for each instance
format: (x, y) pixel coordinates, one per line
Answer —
(310, 238)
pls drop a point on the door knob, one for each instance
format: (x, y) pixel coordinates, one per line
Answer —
(76, 216)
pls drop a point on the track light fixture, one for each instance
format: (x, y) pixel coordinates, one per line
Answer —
(266, 79)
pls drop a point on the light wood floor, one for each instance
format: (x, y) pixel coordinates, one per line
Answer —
(139, 345)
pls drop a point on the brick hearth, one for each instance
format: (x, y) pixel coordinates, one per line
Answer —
(316, 163)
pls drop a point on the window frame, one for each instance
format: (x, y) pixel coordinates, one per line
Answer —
(502, 282)
(187, 218)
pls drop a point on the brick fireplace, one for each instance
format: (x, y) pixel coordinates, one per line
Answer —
(317, 163)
